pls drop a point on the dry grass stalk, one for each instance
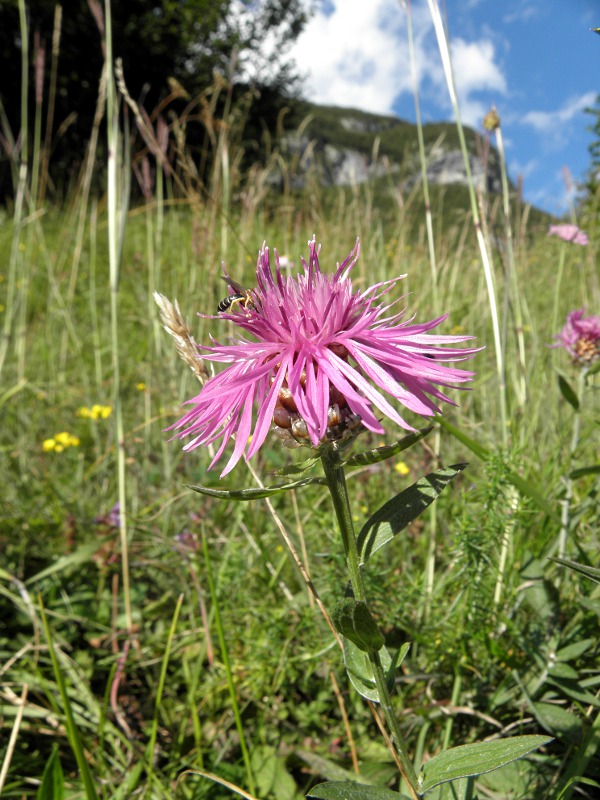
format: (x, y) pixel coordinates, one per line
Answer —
(176, 326)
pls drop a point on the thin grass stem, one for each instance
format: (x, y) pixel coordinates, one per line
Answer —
(159, 691)
(115, 239)
(226, 664)
(484, 255)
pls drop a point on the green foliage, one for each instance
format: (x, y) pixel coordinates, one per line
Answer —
(183, 44)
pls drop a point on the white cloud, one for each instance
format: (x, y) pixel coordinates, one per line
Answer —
(523, 170)
(475, 68)
(551, 121)
(355, 54)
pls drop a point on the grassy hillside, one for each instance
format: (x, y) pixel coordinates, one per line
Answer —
(151, 636)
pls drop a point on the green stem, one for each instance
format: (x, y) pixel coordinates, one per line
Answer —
(566, 503)
(557, 286)
(336, 483)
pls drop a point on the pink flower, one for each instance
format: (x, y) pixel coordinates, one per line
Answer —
(580, 337)
(324, 360)
(569, 233)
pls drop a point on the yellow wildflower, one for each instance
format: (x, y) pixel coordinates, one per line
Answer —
(401, 468)
(59, 442)
(100, 412)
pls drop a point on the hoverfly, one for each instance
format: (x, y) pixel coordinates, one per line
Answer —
(240, 295)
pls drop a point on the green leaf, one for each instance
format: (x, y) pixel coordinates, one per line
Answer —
(539, 593)
(73, 733)
(470, 760)
(52, 785)
(254, 494)
(596, 365)
(353, 620)
(347, 790)
(329, 769)
(590, 572)
(360, 671)
(573, 689)
(398, 512)
(271, 776)
(574, 650)
(568, 392)
(299, 468)
(382, 453)
(397, 660)
(82, 555)
(557, 720)
(581, 472)
(564, 671)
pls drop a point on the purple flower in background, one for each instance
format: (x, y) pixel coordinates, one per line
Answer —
(580, 337)
(324, 361)
(569, 233)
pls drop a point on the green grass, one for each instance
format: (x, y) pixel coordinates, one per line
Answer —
(151, 709)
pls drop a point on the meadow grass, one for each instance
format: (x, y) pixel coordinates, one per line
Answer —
(213, 658)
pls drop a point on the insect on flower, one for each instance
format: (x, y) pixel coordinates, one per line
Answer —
(239, 295)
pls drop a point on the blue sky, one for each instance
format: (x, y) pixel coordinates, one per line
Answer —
(536, 61)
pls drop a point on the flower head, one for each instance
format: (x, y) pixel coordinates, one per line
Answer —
(59, 442)
(323, 361)
(569, 233)
(580, 337)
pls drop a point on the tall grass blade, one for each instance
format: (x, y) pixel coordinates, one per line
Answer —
(73, 733)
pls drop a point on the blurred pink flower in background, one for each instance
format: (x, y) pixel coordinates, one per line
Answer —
(569, 233)
(580, 337)
(324, 360)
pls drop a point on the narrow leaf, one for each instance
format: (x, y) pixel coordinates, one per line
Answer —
(575, 650)
(382, 453)
(470, 760)
(326, 768)
(568, 392)
(254, 494)
(400, 655)
(73, 734)
(347, 790)
(594, 469)
(401, 510)
(82, 555)
(473, 446)
(590, 572)
(573, 689)
(52, 786)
